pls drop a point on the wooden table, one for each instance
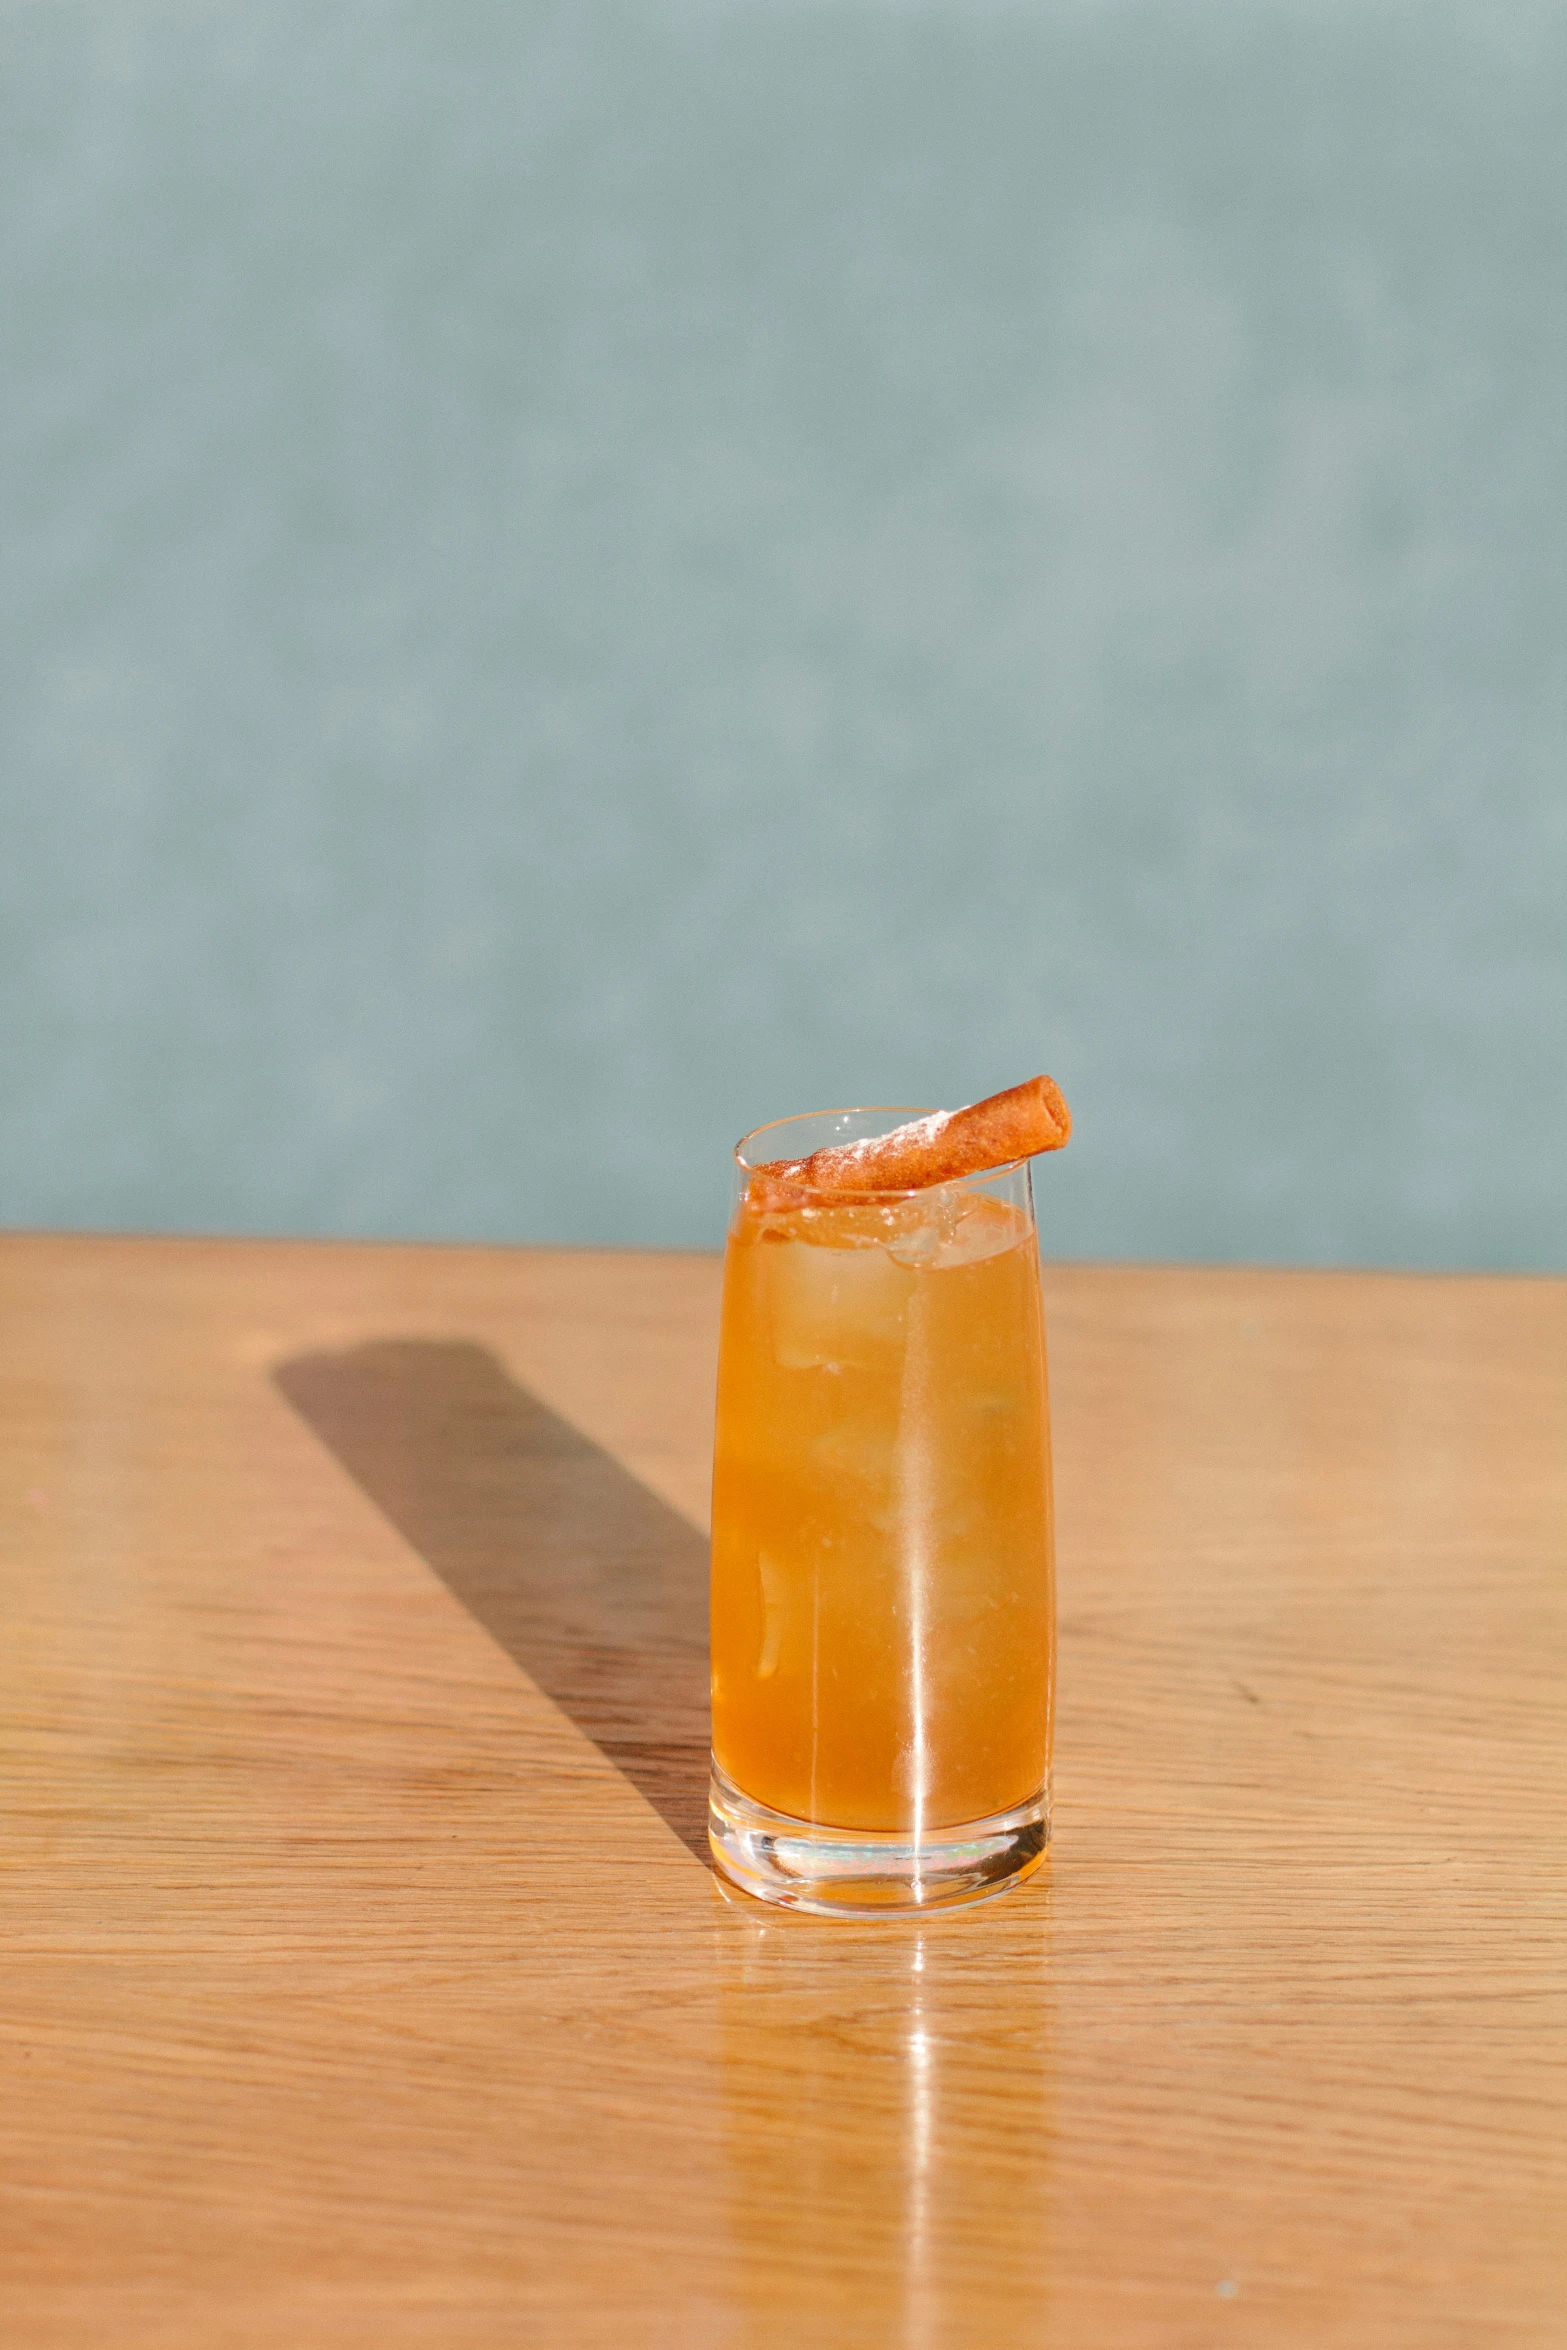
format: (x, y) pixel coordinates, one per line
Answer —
(363, 1981)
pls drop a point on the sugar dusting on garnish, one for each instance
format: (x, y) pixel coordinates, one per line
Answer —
(920, 1130)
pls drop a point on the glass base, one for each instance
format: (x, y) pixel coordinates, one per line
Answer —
(851, 1873)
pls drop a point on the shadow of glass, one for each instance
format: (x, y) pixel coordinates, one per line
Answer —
(587, 1580)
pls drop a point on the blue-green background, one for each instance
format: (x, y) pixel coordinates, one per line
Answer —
(573, 578)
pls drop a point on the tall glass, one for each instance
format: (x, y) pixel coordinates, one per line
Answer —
(883, 1618)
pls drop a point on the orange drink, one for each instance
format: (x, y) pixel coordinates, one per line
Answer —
(882, 1603)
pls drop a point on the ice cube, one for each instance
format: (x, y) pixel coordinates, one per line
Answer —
(856, 1465)
(921, 1238)
(976, 1228)
(833, 1307)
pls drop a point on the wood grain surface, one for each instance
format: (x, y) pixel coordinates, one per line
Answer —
(362, 1981)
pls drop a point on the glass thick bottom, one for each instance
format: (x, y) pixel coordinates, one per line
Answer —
(851, 1873)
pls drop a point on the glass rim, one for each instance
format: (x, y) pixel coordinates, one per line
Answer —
(901, 1114)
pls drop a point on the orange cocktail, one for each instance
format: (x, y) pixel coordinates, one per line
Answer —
(882, 1605)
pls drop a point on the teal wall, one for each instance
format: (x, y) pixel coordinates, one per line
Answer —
(576, 577)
